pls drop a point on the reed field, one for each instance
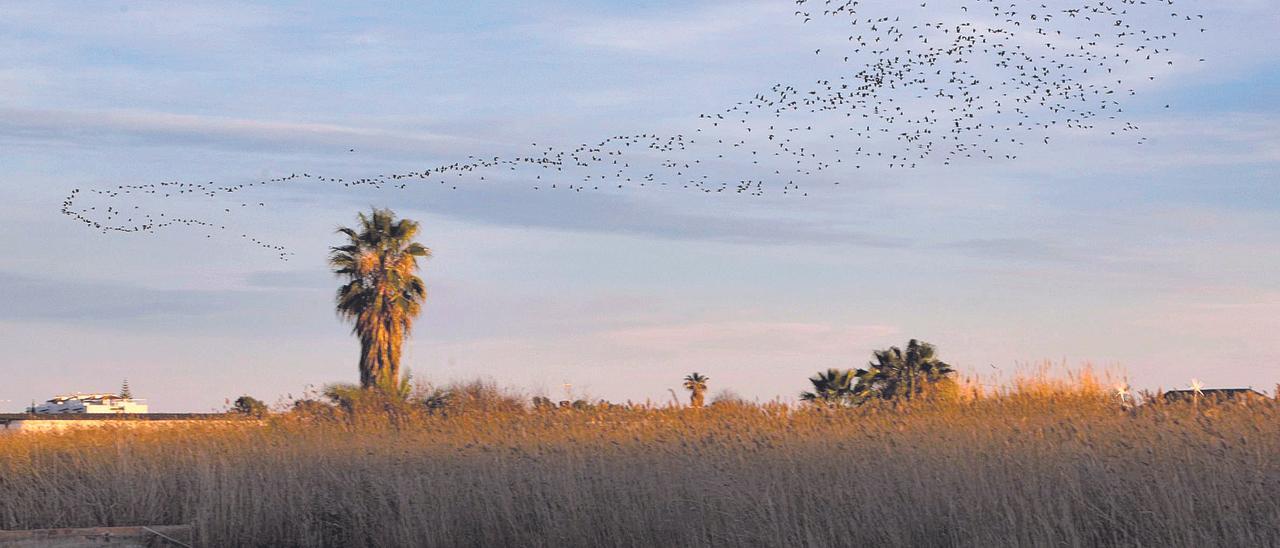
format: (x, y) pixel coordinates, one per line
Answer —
(1032, 466)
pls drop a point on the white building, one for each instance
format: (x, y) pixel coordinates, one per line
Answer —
(91, 404)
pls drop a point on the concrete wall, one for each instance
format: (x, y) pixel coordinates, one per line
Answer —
(38, 425)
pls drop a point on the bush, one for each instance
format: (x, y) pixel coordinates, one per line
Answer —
(250, 407)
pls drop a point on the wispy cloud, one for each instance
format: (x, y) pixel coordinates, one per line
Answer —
(1030, 249)
(308, 280)
(745, 337)
(140, 127)
(670, 34)
(623, 213)
(758, 357)
(28, 298)
(122, 306)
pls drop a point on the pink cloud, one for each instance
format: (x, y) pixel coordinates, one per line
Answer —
(739, 336)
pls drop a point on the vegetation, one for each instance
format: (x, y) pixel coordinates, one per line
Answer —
(382, 294)
(834, 387)
(895, 374)
(1043, 464)
(727, 396)
(249, 406)
(696, 384)
(898, 374)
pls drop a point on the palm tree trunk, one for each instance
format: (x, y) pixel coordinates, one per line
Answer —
(380, 349)
(695, 399)
(368, 363)
(394, 343)
(374, 357)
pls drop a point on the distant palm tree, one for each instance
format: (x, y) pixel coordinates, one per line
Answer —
(697, 385)
(382, 294)
(897, 374)
(834, 387)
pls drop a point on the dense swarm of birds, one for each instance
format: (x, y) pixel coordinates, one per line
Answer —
(932, 81)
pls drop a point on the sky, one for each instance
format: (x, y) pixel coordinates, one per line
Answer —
(1156, 261)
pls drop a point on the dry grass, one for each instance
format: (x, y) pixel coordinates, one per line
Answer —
(1038, 467)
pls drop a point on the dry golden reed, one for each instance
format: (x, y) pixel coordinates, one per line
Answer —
(1031, 467)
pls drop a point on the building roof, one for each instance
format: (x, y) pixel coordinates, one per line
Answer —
(1213, 393)
(86, 397)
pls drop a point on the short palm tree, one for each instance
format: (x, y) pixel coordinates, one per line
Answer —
(697, 385)
(897, 374)
(834, 387)
(382, 294)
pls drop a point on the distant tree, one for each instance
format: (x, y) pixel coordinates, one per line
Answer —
(727, 396)
(249, 406)
(898, 374)
(312, 409)
(834, 387)
(124, 390)
(382, 294)
(696, 383)
(895, 374)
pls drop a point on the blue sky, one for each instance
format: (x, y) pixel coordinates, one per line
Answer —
(1156, 259)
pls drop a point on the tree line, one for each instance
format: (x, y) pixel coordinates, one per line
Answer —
(382, 294)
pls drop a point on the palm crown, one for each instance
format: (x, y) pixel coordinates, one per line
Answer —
(894, 374)
(833, 386)
(696, 383)
(898, 374)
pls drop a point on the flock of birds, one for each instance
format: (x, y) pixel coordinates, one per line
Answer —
(935, 81)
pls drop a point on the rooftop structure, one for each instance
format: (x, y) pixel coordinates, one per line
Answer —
(90, 404)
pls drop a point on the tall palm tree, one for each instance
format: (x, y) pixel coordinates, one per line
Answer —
(697, 385)
(382, 294)
(898, 374)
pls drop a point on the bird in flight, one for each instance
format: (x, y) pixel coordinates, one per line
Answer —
(909, 84)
